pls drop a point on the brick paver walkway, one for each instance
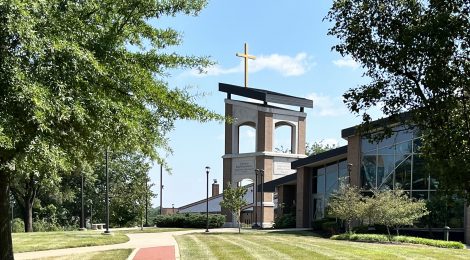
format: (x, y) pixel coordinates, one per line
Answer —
(156, 253)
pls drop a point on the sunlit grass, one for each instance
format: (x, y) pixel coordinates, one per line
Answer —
(119, 254)
(151, 230)
(301, 245)
(36, 241)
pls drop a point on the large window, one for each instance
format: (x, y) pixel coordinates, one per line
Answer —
(326, 180)
(394, 162)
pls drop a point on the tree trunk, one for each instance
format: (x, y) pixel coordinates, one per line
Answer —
(6, 245)
(28, 215)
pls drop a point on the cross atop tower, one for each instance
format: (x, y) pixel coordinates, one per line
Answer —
(246, 56)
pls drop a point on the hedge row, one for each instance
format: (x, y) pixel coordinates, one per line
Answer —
(190, 220)
(400, 239)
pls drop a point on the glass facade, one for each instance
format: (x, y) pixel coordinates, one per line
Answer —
(325, 181)
(394, 162)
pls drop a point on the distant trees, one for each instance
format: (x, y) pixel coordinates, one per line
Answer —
(391, 208)
(318, 147)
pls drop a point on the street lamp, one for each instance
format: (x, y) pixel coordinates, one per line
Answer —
(207, 199)
(82, 218)
(261, 172)
(255, 192)
(107, 195)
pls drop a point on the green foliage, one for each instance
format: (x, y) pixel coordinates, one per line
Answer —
(17, 225)
(347, 204)
(416, 55)
(317, 147)
(402, 239)
(391, 208)
(394, 208)
(285, 221)
(189, 220)
(78, 77)
(233, 200)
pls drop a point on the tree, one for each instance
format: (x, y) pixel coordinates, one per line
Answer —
(394, 208)
(234, 201)
(70, 79)
(347, 204)
(318, 147)
(416, 55)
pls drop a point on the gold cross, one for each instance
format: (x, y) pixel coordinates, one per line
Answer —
(246, 57)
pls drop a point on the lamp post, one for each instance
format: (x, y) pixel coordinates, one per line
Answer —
(82, 218)
(255, 192)
(161, 187)
(107, 195)
(261, 172)
(207, 199)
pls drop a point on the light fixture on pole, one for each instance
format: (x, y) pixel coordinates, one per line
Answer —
(207, 199)
(261, 172)
(82, 217)
(255, 206)
(107, 195)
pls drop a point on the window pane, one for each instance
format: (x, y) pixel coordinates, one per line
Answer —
(385, 167)
(403, 173)
(321, 181)
(331, 179)
(343, 172)
(368, 171)
(367, 147)
(420, 175)
(404, 148)
(422, 195)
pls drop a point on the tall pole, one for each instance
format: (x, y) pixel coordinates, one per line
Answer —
(255, 192)
(161, 187)
(107, 195)
(262, 196)
(207, 199)
(146, 205)
(82, 219)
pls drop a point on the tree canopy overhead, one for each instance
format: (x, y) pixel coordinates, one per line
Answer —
(70, 79)
(416, 54)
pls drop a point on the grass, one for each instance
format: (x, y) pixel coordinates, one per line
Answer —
(151, 230)
(27, 242)
(401, 239)
(300, 245)
(119, 254)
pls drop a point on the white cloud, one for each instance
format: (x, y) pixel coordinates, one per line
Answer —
(287, 66)
(346, 62)
(327, 106)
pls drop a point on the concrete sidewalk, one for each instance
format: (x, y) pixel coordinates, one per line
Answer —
(136, 241)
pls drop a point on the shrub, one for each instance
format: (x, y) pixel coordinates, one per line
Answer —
(401, 239)
(42, 225)
(189, 220)
(18, 225)
(285, 221)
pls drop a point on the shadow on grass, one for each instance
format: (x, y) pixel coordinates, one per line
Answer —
(303, 233)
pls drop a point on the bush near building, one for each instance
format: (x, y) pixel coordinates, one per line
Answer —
(189, 220)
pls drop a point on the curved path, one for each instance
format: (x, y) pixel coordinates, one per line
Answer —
(145, 244)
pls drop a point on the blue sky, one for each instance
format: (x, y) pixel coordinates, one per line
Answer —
(294, 57)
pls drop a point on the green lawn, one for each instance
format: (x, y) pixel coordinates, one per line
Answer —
(120, 254)
(27, 242)
(300, 245)
(151, 230)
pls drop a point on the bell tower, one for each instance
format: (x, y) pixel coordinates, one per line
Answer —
(262, 115)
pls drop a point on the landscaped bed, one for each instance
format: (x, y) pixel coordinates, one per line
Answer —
(398, 239)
